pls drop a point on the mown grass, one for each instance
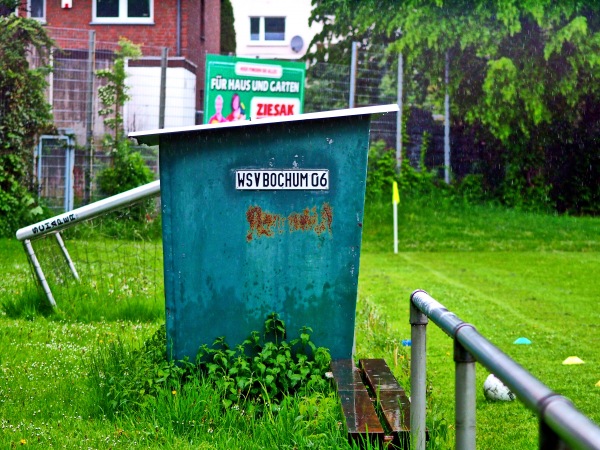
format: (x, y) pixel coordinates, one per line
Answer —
(509, 273)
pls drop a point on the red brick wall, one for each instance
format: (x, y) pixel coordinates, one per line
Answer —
(162, 34)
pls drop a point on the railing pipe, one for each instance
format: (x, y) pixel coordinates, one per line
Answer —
(556, 413)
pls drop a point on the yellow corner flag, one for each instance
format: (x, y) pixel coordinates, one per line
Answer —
(395, 194)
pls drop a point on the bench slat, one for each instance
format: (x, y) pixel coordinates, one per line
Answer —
(393, 401)
(359, 412)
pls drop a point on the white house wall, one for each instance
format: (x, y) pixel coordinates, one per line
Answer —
(142, 111)
(296, 13)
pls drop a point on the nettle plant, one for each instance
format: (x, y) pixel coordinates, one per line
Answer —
(258, 374)
(265, 371)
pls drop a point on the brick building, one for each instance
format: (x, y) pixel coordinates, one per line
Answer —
(189, 29)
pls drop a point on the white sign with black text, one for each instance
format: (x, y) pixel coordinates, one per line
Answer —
(290, 179)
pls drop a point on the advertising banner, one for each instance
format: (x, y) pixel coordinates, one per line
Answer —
(246, 88)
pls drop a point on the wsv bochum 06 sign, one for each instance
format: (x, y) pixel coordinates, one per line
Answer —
(245, 88)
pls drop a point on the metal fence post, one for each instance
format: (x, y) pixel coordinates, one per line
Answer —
(353, 66)
(418, 370)
(399, 116)
(465, 397)
(447, 120)
(89, 114)
(164, 61)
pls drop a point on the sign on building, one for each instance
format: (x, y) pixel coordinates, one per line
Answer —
(248, 89)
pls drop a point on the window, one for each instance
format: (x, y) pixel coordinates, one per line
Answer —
(263, 29)
(254, 28)
(274, 28)
(37, 9)
(123, 11)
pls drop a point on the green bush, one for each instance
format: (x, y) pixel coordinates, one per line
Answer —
(381, 171)
(127, 171)
(265, 371)
(24, 114)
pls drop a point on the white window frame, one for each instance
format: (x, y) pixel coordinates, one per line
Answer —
(261, 31)
(41, 19)
(122, 19)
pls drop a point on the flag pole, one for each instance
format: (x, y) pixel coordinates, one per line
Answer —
(395, 201)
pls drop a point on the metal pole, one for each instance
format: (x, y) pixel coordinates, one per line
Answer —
(38, 271)
(65, 252)
(418, 370)
(353, 65)
(163, 86)
(69, 166)
(399, 115)
(89, 115)
(447, 122)
(465, 397)
(395, 206)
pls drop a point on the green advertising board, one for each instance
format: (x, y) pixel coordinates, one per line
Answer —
(248, 89)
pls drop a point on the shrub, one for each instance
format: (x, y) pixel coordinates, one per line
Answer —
(265, 371)
(260, 373)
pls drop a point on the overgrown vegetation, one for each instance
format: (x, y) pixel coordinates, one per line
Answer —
(265, 371)
(258, 375)
(24, 114)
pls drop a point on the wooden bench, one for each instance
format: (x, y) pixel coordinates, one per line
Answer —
(375, 406)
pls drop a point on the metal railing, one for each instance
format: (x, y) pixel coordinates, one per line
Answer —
(561, 424)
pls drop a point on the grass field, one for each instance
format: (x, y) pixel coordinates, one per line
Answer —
(509, 273)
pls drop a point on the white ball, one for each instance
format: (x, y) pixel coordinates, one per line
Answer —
(494, 389)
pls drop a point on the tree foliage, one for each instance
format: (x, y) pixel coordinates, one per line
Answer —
(24, 114)
(228, 38)
(526, 74)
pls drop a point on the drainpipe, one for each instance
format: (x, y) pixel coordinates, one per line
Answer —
(178, 27)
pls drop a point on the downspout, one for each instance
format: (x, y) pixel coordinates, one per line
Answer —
(178, 27)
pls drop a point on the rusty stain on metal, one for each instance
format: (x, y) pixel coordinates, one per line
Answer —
(264, 223)
(304, 221)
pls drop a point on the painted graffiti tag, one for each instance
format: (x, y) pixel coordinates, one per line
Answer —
(266, 224)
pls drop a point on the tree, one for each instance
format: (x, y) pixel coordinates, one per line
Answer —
(24, 114)
(524, 73)
(228, 38)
